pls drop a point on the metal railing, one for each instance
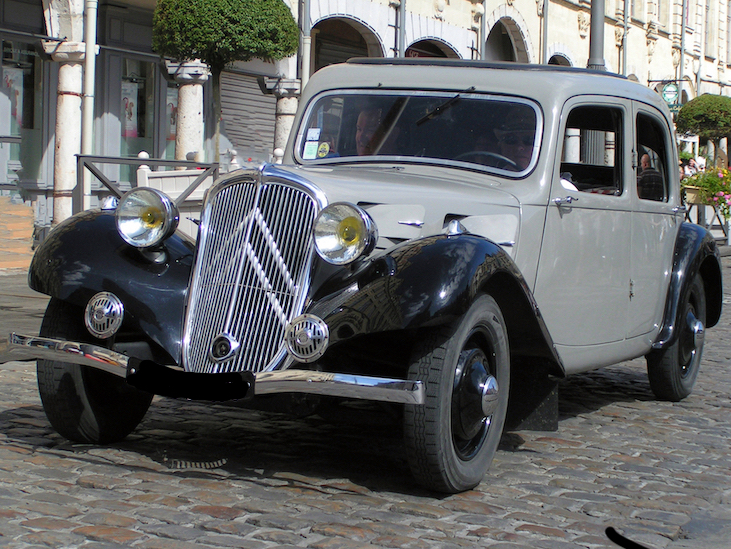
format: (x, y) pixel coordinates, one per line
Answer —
(89, 162)
(10, 139)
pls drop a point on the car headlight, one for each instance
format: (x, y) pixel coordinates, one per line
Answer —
(146, 217)
(343, 233)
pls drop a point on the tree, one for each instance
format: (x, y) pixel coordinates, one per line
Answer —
(219, 32)
(708, 116)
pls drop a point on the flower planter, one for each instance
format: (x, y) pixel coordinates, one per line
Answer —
(693, 195)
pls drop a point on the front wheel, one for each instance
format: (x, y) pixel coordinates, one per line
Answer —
(673, 371)
(82, 403)
(452, 438)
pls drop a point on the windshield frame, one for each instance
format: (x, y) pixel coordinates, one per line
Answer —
(447, 96)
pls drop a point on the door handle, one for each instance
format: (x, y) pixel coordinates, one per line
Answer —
(565, 201)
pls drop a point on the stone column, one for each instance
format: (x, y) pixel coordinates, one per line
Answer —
(191, 76)
(70, 55)
(287, 92)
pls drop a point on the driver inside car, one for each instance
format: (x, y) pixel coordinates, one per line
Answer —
(516, 138)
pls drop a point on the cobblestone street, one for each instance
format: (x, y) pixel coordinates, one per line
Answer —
(197, 475)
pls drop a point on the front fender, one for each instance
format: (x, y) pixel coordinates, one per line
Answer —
(695, 252)
(85, 255)
(429, 282)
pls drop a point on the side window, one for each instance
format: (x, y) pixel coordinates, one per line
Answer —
(652, 172)
(592, 150)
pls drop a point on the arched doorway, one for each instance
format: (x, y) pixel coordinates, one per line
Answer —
(430, 48)
(558, 59)
(506, 42)
(336, 40)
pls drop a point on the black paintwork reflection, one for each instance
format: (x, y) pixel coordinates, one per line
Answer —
(415, 285)
(85, 255)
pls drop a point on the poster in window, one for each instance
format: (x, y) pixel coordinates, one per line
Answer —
(172, 113)
(129, 109)
(13, 82)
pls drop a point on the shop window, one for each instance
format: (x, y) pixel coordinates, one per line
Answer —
(21, 104)
(137, 111)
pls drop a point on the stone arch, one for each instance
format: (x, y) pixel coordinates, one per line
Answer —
(339, 38)
(431, 47)
(515, 28)
(558, 55)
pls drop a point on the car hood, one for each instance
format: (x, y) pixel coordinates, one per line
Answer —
(413, 201)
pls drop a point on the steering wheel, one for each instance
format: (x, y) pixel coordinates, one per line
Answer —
(494, 160)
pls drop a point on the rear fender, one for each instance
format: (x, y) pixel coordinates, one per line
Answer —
(695, 252)
(85, 255)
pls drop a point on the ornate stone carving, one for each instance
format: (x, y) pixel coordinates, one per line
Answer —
(584, 24)
(652, 35)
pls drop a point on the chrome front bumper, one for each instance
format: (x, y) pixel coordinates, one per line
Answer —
(24, 347)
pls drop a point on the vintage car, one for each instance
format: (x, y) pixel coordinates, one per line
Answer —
(450, 237)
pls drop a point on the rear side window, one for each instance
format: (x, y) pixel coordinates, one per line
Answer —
(652, 152)
(592, 150)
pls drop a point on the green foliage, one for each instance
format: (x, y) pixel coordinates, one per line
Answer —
(222, 31)
(708, 116)
(685, 155)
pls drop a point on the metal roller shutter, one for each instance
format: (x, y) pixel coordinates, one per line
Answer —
(248, 116)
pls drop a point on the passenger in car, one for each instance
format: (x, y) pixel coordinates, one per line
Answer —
(650, 183)
(374, 133)
(516, 139)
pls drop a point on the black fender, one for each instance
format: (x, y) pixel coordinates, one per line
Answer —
(85, 255)
(429, 282)
(695, 252)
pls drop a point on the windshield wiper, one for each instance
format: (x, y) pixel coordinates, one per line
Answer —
(439, 109)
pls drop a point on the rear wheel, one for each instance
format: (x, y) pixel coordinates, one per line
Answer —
(82, 403)
(673, 371)
(452, 438)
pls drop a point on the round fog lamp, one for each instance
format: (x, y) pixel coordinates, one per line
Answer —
(343, 233)
(146, 217)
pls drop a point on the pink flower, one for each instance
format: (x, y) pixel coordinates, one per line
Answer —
(720, 175)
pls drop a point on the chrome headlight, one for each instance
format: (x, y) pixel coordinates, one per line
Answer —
(343, 233)
(146, 217)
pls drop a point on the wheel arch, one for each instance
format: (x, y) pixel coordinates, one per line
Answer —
(696, 252)
(430, 282)
(85, 255)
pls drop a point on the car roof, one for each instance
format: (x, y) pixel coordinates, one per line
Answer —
(547, 84)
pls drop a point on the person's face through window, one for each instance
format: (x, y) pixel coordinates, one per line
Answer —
(518, 147)
(365, 128)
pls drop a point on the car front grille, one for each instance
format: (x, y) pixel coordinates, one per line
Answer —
(251, 274)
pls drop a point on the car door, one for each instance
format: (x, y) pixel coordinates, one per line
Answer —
(654, 222)
(582, 285)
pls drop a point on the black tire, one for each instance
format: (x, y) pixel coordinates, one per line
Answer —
(452, 438)
(673, 371)
(85, 404)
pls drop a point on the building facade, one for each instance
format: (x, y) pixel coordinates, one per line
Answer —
(681, 48)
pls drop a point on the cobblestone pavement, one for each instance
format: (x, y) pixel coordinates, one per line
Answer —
(195, 475)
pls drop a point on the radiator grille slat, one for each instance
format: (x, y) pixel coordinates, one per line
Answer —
(251, 274)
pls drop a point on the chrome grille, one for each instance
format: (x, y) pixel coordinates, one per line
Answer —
(250, 276)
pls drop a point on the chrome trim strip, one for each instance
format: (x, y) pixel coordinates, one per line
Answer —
(24, 347)
(342, 385)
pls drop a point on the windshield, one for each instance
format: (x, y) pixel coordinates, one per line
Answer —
(485, 131)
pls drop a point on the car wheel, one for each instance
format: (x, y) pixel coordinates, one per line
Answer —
(673, 371)
(452, 438)
(85, 404)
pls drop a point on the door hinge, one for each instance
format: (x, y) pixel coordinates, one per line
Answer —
(631, 289)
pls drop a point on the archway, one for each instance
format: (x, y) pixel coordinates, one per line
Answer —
(335, 40)
(430, 48)
(558, 59)
(506, 42)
